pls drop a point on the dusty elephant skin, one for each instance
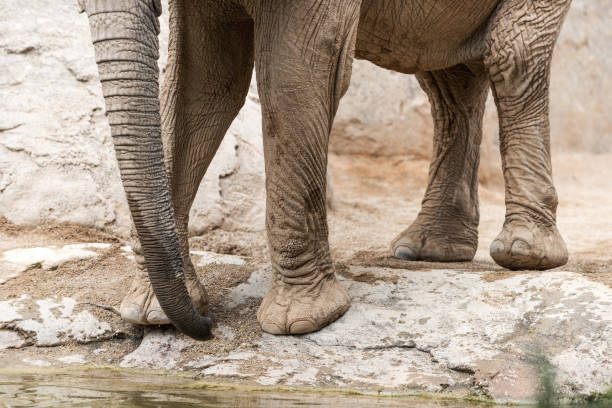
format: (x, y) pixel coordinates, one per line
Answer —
(302, 52)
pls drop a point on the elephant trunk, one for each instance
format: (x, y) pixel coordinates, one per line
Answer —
(124, 33)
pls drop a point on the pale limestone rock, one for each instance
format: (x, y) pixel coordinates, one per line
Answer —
(255, 287)
(72, 359)
(10, 339)
(37, 362)
(284, 369)
(206, 257)
(128, 252)
(56, 157)
(491, 333)
(56, 163)
(9, 309)
(307, 376)
(159, 349)
(225, 331)
(226, 366)
(214, 360)
(15, 261)
(53, 321)
(228, 370)
(201, 258)
(383, 113)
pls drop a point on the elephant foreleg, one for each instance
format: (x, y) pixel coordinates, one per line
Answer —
(446, 228)
(520, 42)
(210, 62)
(303, 54)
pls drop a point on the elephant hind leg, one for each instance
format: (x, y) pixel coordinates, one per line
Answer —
(210, 62)
(520, 42)
(446, 228)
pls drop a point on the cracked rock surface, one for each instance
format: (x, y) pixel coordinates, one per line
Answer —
(444, 329)
(50, 322)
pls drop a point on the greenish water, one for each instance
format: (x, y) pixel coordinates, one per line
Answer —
(113, 388)
(108, 388)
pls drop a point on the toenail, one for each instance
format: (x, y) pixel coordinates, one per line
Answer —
(404, 252)
(130, 313)
(157, 316)
(271, 327)
(520, 247)
(302, 327)
(497, 246)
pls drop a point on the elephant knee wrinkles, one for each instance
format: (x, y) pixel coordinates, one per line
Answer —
(519, 46)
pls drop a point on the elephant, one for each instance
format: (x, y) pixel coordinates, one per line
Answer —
(302, 52)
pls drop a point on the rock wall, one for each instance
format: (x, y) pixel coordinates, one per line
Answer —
(56, 157)
(57, 163)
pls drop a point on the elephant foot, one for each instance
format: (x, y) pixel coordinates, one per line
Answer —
(526, 245)
(299, 309)
(434, 240)
(140, 305)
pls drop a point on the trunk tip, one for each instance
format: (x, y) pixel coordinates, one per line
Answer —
(199, 328)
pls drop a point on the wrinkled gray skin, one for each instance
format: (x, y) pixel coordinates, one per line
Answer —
(302, 51)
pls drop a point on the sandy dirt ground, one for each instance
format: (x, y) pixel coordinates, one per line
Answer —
(379, 197)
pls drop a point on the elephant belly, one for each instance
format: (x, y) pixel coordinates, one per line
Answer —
(419, 35)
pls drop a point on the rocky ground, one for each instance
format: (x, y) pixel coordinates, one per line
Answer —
(465, 329)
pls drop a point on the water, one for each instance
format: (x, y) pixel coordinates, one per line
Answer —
(111, 388)
(108, 388)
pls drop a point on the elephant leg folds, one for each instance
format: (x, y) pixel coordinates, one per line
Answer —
(205, 85)
(446, 229)
(140, 305)
(303, 58)
(524, 244)
(297, 309)
(520, 41)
